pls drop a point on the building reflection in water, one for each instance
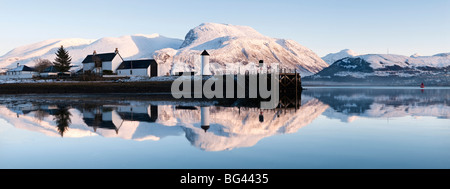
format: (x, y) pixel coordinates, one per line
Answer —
(113, 117)
(207, 126)
(204, 118)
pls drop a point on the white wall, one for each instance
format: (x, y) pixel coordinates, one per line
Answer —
(135, 72)
(112, 65)
(116, 119)
(88, 67)
(88, 114)
(18, 75)
(48, 74)
(134, 109)
(107, 116)
(106, 66)
(116, 63)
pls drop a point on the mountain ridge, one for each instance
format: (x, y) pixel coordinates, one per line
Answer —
(386, 69)
(226, 43)
(333, 57)
(129, 46)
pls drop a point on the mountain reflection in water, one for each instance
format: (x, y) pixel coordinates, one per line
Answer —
(222, 127)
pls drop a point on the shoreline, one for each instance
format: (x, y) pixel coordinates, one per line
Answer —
(138, 87)
(374, 86)
(86, 87)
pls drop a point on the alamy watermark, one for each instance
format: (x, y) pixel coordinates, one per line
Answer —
(230, 82)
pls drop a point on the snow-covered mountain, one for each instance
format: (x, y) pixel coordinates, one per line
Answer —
(131, 46)
(239, 44)
(415, 55)
(379, 61)
(225, 43)
(388, 69)
(349, 104)
(333, 57)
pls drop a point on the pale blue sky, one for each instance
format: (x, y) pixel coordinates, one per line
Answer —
(324, 26)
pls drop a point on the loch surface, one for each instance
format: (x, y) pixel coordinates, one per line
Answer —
(339, 127)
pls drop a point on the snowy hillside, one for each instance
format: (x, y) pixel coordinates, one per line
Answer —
(384, 60)
(350, 104)
(238, 44)
(131, 46)
(225, 43)
(333, 57)
(387, 69)
(415, 55)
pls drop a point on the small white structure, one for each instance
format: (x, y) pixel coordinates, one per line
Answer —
(204, 68)
(204, 112)
(98, 63)
(20, 72)
(143, 68)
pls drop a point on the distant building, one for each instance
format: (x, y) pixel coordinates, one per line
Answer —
(147, 67)
(21, 72)
(51, 71)
(97, 63)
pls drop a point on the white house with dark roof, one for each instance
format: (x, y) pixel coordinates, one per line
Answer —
(144, 68)
(20, 72)
(98, 63)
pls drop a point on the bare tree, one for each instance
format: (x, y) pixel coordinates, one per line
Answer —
(40, 64)
(40, 114)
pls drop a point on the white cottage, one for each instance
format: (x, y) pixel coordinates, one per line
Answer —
(145, 67)
(21, 72)
(98, 63)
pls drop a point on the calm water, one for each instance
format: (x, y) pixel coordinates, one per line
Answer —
(326, 128)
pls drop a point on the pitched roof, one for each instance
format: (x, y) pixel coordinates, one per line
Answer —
(50, 69)
(129, 116)
(205, 53)
(21, 68)
(136, 64)
(92, 122)
(105, 57)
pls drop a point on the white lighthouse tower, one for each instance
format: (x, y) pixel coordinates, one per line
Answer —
(204, 68)
(204, 112)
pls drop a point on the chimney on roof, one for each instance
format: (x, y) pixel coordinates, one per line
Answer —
(95, 52)
(117, 51)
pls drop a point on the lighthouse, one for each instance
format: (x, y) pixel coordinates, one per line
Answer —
(204, 68)
(204, 112)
